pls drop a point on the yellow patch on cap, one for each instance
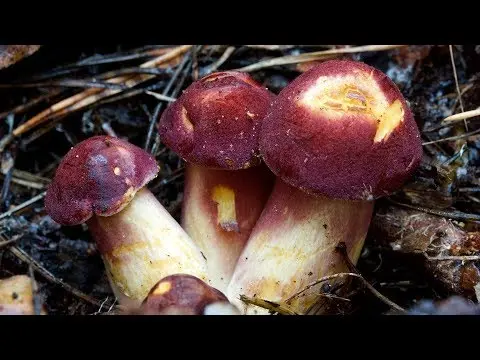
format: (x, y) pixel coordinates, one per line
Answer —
(355, 93)
(162, 288)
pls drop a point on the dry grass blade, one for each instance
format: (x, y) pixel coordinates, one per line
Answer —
(26, 183)
(126, 57)
(269, 305)
(463, 115)
(451, 138)
(66, 83)
(35, 101)
(28, 176)
(11, 241)
(271, 47)
(459, 258)
(316, 55)
(455, 214)
(37, 305)
(228, 52)
(343, 250)
(316, 282)
(160, 96)
(456, 83)
(90, 96)
(22, 205)
(335, 297)
(165, 92)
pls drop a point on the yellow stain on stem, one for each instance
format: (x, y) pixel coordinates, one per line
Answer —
(162, 288)
(224, 196)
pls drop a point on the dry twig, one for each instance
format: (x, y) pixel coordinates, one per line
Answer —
(343, 249)
(269, 305)
(455, 214)
(456, 83)
(457, 137)
(317, 55)
(462, 116)
(23, 205)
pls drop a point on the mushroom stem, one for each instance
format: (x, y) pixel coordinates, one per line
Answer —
(220, 209)
(293, 243)
(142, 244)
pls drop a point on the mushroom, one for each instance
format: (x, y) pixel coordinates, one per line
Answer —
(337, 137)
(16, 296)
(214, 127)
(102, 182)
(182, 294)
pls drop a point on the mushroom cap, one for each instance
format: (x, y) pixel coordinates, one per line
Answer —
(182, 294)
(342, 130)
(99, 176)
(216, 121)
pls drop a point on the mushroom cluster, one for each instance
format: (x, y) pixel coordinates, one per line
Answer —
(273, 184)
(214, 126)
(337, 137)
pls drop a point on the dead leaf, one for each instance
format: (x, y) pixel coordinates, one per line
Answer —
(10, 54)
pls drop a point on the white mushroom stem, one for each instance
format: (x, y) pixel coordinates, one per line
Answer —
(220, 209)
(142, 244)
(293, 244)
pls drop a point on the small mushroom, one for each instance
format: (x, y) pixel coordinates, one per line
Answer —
(182, 294)
(337, 137)
(214, 127)
(102, 182)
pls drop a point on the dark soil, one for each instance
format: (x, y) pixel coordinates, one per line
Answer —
(445, 183)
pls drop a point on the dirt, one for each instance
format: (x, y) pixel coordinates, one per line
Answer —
(446, 182)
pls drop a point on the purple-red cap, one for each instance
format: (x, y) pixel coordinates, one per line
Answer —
(181, 294)
(343, 130)
(216, 121)
(100, 176)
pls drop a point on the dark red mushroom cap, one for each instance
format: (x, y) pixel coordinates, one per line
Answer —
(98, 176)
(342, 130)
(180, 294)
(216, 121)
